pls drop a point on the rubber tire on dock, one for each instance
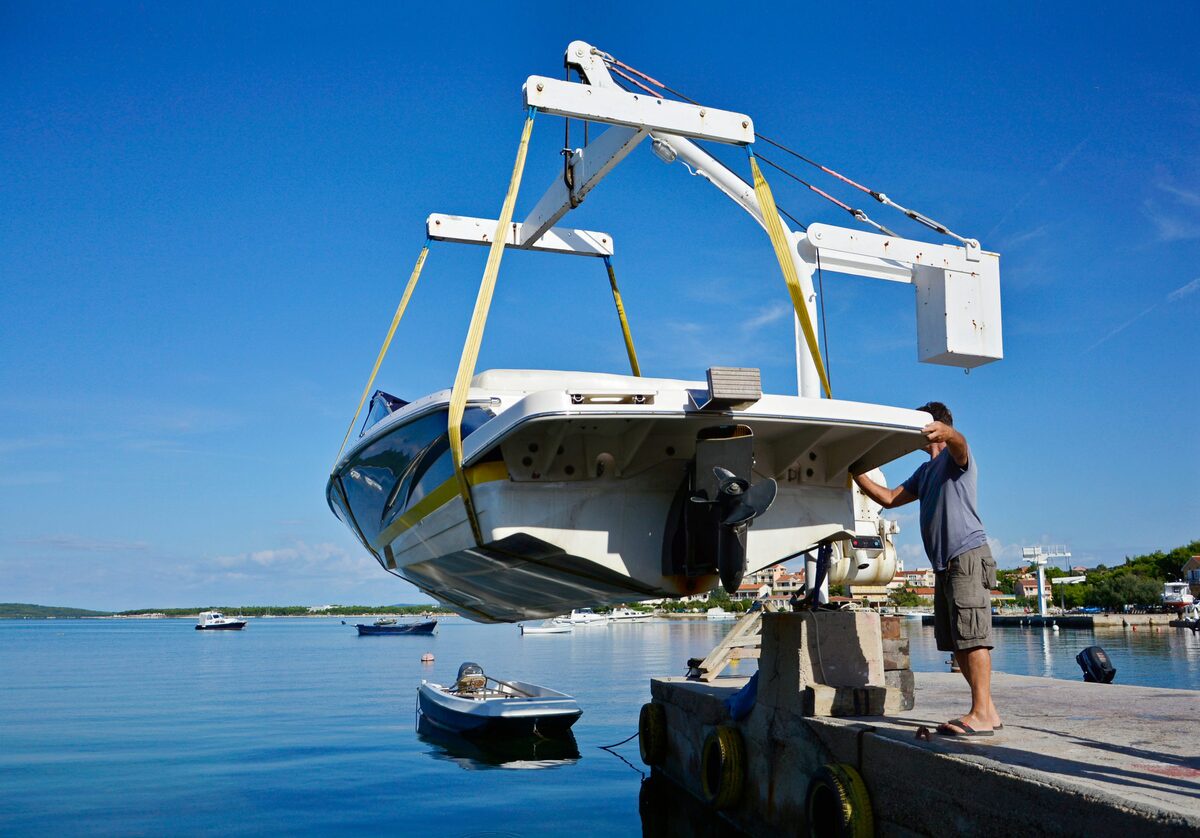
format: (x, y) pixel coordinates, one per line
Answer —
(838, 804)
(652, 734)
(723, 767)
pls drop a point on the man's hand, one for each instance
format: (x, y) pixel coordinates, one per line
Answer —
(937, 432)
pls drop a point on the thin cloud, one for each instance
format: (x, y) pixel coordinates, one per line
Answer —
(1057, 168)
(1184, 290)
(83, 544)
(766, 317)
(1176, 295)
(1170, 226)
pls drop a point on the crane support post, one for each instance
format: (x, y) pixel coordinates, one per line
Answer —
(466, 230)
(616, 107)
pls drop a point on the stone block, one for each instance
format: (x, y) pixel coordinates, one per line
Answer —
(891, 627)
(895, 655)
(821, 700)
(901, 687)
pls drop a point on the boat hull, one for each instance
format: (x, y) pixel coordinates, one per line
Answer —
(574, 496)
(234, 626)
(424, 628)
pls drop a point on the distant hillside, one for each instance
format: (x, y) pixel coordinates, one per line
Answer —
(25, 611)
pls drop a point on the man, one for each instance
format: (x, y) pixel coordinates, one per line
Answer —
(964, 571)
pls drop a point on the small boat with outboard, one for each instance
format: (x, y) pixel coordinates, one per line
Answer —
(423, 627)
(216, 621)
(546, 627)
(477, 704)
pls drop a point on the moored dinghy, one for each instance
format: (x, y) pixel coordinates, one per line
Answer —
(479, 705)
(423, 627)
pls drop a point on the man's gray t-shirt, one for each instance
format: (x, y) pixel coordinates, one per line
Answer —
(950, 524)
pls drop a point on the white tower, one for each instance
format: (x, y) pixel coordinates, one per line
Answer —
(1039, 555)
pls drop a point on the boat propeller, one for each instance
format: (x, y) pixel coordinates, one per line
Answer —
(737, 501)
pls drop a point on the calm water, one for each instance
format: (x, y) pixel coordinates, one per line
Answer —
(138, 727)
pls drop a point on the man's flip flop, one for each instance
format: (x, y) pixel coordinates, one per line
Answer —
(967, 729)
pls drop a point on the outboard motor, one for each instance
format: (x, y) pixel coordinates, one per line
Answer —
(1097, 668)
(715, 505)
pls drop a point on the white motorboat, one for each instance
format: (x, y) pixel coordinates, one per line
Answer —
(1177, 595)
(717, 614)
(628, 615)
(216, 621)
(582, 617)
(546, 627)
(479, 705)
(521, 494)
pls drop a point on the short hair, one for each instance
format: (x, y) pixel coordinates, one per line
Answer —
(939, 412)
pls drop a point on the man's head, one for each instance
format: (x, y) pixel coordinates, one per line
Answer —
(939, 412)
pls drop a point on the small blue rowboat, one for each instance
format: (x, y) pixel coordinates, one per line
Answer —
(479, 705)
(425, 627)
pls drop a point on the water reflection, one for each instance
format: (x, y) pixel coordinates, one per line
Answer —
(527, 752)
(670, 812)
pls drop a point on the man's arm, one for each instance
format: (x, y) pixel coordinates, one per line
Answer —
(956, 442)
(887, 498)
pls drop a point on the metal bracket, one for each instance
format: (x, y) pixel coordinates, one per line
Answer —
(466, 230)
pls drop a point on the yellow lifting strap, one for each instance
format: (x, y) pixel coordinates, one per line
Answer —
(387, 341)
(779, 241)
(470, 354)
(612, 281)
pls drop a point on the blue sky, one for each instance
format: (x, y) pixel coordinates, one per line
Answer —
(207, 215)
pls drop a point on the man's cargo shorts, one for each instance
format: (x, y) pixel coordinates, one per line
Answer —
(962, 601)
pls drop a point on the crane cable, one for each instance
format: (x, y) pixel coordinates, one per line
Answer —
(854, 213)
(918, 217)
(466, 364)
(387, 341)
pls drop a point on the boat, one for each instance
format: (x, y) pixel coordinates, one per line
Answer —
(581, 617)
(216, 621)
(717, 614)
(478, 705)
(385, 621)
(1177, 595)
(628, 615)
(546, 627)
(519, 494)
(423, 627)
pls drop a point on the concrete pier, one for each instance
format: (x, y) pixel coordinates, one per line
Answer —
(1077, 621)
(1073, 758)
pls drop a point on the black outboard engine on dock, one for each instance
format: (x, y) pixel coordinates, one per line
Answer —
(1097, 668)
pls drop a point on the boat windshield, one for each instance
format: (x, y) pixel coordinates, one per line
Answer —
(382, 405)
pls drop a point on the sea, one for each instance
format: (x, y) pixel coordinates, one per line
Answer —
(300, 726)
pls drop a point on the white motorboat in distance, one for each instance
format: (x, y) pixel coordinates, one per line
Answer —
(628, 615)
(582, 617)
(479, 705)
(1177, 595)
(546, 627)
(216, 621)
